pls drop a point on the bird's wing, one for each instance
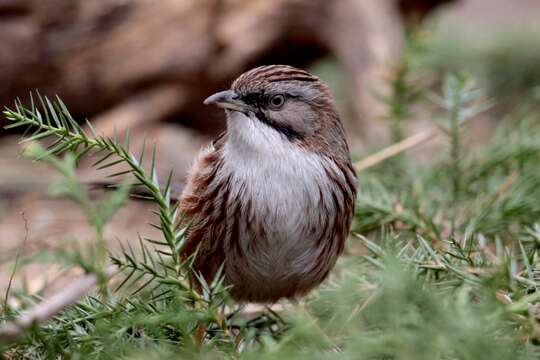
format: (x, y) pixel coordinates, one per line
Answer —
(198, 204)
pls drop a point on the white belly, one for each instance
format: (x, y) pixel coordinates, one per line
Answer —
(284, 183)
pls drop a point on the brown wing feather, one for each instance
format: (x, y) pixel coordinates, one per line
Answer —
(203, 202)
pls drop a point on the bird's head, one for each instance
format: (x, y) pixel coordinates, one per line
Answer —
(284, 101)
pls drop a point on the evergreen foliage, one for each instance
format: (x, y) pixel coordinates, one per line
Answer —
(442, 262)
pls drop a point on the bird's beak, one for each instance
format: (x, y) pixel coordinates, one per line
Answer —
(227, 99)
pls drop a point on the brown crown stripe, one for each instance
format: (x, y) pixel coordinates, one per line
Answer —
(289, 78)
(270, 72)
(286, 74)
(277, 68)
(289, 72)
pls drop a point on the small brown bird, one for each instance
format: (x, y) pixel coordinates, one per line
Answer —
(272, 198)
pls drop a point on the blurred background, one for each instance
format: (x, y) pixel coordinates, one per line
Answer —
(147, 66)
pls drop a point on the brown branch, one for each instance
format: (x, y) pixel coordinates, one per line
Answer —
(395, 149)
(48, 308)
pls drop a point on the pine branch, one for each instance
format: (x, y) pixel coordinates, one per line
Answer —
(49, 308)
(52, 119)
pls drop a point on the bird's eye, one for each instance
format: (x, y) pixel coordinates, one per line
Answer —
(277, 101)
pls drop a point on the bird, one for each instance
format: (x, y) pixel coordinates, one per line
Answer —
(271, 200)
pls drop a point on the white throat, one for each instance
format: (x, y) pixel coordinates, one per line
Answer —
(259, 153)
(283, 180)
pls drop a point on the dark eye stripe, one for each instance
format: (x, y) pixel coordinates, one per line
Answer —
(253, 99)
(261, 100)
(284, 129)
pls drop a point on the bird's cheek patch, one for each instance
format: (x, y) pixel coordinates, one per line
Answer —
(297, 116)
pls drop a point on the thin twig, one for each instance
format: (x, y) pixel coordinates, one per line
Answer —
(16, 261)
(395, 149)
(48, 308)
